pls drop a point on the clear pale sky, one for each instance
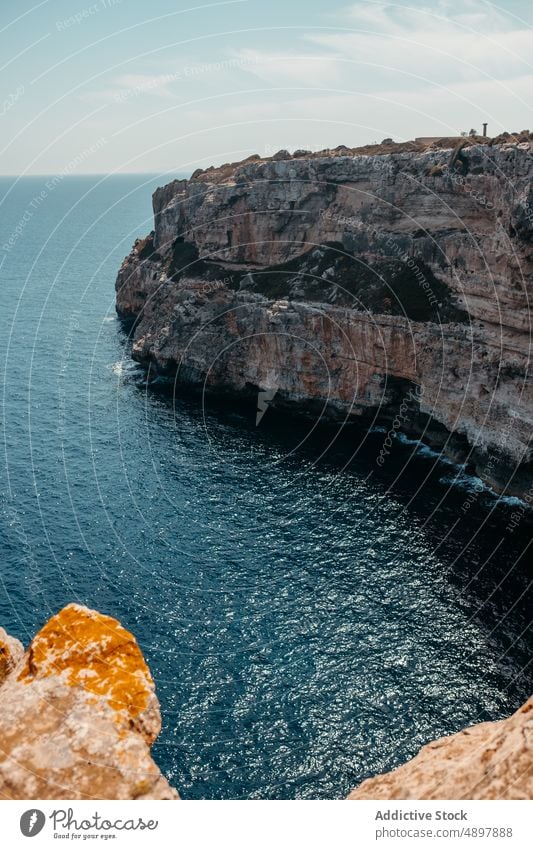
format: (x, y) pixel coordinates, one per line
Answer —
(98, 86)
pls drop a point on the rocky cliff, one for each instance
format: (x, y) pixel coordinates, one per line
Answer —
(78, 713)
(340, 282)
(492, 760)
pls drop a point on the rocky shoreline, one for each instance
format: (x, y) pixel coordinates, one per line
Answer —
(78, 714)
(491, 760)
(345, 282)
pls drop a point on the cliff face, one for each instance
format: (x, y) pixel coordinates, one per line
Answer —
(343, 282)
(492, 760)
(78, 713)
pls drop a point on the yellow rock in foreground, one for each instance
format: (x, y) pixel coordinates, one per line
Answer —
(492, 760)
(78, 713)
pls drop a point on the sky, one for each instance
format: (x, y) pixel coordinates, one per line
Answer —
(167, 86)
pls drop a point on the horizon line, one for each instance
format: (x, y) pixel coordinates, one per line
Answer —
(94, 174)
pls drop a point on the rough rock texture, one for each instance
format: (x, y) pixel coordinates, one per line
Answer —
(11, 651)
(492, 760)
(78, 714)
(344, 279)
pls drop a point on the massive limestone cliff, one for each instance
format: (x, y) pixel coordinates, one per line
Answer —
(492, 760)
(343, 281)
(78, 713)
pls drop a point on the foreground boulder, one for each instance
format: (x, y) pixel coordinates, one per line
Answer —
(78, 713)
(344, 280)
(492, 760)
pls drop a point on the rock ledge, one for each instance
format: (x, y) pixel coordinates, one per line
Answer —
(78, 713)
(492, 760)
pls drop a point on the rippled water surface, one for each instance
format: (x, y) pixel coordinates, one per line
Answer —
(310, 620)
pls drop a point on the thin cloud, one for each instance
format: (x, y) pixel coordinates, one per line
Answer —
(291, 68)
(446, 42)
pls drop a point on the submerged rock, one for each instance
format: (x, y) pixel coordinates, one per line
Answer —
(492, 760)
(78, 714)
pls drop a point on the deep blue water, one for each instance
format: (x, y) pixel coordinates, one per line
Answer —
(309, 622)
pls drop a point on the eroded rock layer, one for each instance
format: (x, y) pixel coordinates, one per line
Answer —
(78, 713)
(345, 281)
(492, 760)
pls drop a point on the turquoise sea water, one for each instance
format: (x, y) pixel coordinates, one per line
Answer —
(309, 622)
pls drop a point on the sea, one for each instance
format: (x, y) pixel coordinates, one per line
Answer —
(310, 617)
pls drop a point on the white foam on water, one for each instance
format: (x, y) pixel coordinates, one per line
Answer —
(122, 367)
(463, 480)
(475, 486)
(422, 449)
